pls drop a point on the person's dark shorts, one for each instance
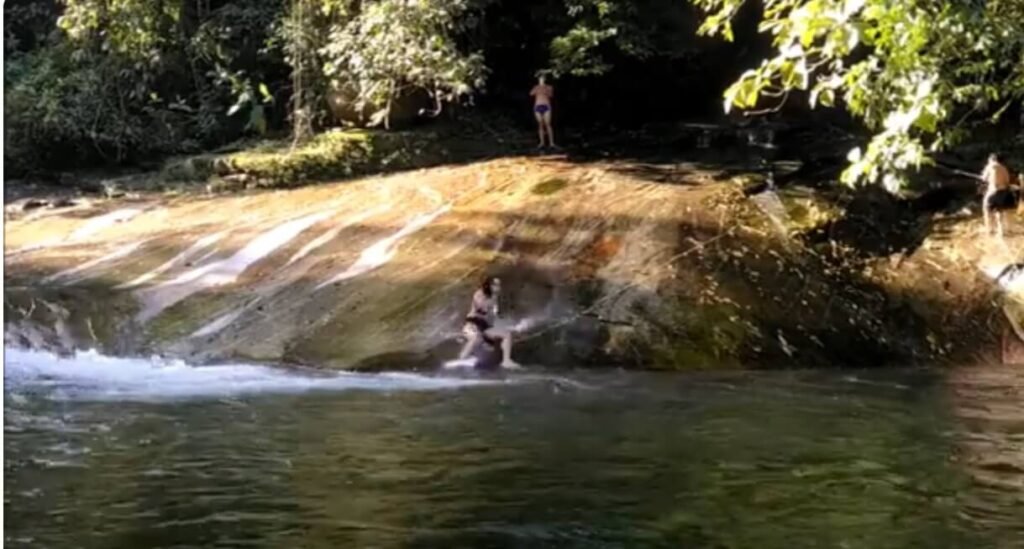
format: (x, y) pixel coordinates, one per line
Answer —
(483, 326)
(541, 109)
(1002, 200)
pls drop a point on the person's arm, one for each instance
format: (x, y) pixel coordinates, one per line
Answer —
(986, 173)
(986, 177)
(479, 302)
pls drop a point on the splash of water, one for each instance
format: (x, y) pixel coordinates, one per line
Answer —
(91, 376)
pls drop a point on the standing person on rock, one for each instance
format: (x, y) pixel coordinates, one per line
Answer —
(542, 94)
(998, 196)
(479, 326)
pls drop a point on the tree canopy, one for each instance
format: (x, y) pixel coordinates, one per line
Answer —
(121, 80)
(916, 72)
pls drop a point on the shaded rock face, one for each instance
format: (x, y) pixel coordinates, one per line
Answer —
(603, 263)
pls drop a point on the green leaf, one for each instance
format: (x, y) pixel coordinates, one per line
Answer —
(827, 97)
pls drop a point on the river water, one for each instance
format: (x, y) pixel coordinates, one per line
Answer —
(135, 453)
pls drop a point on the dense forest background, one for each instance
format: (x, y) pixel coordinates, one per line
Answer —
(117, 81)
(114, 82)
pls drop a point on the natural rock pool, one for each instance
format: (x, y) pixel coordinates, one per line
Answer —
(105, 452)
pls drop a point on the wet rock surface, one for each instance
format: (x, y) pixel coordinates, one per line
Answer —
(654, 264)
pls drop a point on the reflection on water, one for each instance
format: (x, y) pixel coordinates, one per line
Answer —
(608, 459)
(990, 405)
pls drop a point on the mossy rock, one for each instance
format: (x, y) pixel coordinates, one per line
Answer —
(703, 337)
(550, 186)
(193, 168)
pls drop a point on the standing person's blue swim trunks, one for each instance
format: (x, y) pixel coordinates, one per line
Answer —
(542, 94)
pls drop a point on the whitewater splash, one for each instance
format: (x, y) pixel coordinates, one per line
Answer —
(90, 376)
(384, 250)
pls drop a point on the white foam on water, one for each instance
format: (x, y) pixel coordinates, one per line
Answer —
(384, 250)
(460, 363)
(116, 254)
(225, 271)
(97, 224)
(93, 377)
(179, 259)
(522, 325)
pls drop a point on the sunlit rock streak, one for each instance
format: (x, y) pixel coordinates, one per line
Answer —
(384, 250)
(225, 271)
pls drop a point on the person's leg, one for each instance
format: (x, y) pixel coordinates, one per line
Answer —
(540, 127)
(505, 338)
(986, 212)
(506, 351)
(472, 341)
(999, 222)
(547, 125)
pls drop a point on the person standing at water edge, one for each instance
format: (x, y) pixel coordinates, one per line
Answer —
(542, 94)
(998, 196)
(479, 326)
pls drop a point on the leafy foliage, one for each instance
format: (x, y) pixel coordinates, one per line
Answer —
(61, 112)
(119, 81)
(112, 81)
(603, 30)
(388, 48)
(915, 72)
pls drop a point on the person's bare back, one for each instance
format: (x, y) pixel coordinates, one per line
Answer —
(998, 196)
(996, 176)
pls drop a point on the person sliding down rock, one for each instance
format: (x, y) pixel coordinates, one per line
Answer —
(479, 326)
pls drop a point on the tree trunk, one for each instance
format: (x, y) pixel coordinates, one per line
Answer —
(302, 126)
